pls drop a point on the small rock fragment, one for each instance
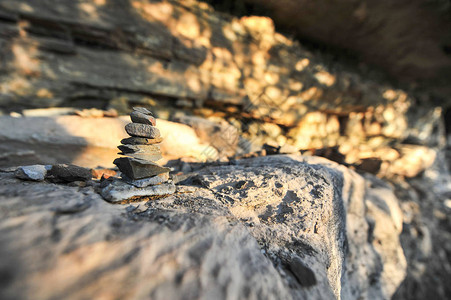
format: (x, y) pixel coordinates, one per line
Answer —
(104, 181)
(302, 272)
(142, 110)
(142, 130)
(68, 173)
(138, 117)
(33, 172)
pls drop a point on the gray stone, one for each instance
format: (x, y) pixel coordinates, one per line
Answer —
(144, 152)
(142, 110)
(68, 173)
(143, 156)
(138, 117)
(119, 191)
(151, 149)
(154, 180)
(142, 130)
(135, 168)
(34, 172)
(275, 227)
(141, 141)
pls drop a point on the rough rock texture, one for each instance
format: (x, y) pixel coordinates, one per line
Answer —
(138, 117)
(153, 149)
(137, 168)
(157, 179)
(384, 33)
(182, 55)
(34, 172)
(88, 142)
(282, 227)
(141, 141)
(426, 236)
(119, 191)
(68, 173)
(142, 130)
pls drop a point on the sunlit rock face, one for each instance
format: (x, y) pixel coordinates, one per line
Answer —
(186, 57)
(378, 32)
(275, 227)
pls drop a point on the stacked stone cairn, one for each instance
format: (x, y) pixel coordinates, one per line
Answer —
(141, 176)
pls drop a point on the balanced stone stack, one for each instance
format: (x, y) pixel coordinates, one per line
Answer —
(141, 176)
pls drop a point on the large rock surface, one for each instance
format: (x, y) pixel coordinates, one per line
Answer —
(384, 33)
(88, 142)
(281, 227)
(178, 56)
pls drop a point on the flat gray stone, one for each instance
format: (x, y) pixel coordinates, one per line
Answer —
(150, 149)
(142, 110)
(157, 179)
(138, 117)
(142, 130)
(143, 156)
(68, 173)
(135, 168)
(141, 141)
(144, 152)
(119, 191)
(33, 172)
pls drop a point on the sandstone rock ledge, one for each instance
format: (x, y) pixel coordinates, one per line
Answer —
(278, 227)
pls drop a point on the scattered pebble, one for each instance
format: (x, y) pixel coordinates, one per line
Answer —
(33, 172)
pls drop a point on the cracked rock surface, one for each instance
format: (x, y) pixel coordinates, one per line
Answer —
(276, 227)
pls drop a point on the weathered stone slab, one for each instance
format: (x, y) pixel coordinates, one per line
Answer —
(274, 227)
(141, 141)
(143, 156)
(151, 149)
(137, 168)
(138, 117)
(119, 191)
(157, 179)
(142, 130)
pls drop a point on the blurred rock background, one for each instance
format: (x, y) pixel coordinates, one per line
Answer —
(363, 83)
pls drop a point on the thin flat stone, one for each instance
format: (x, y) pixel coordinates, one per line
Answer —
(150, 149)
(157, 179)
(142, 130)
(143, 156)
(33, 172)
(119, 191)
(142, 110)
(135, 168)
(141, 141)
(138, 117)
